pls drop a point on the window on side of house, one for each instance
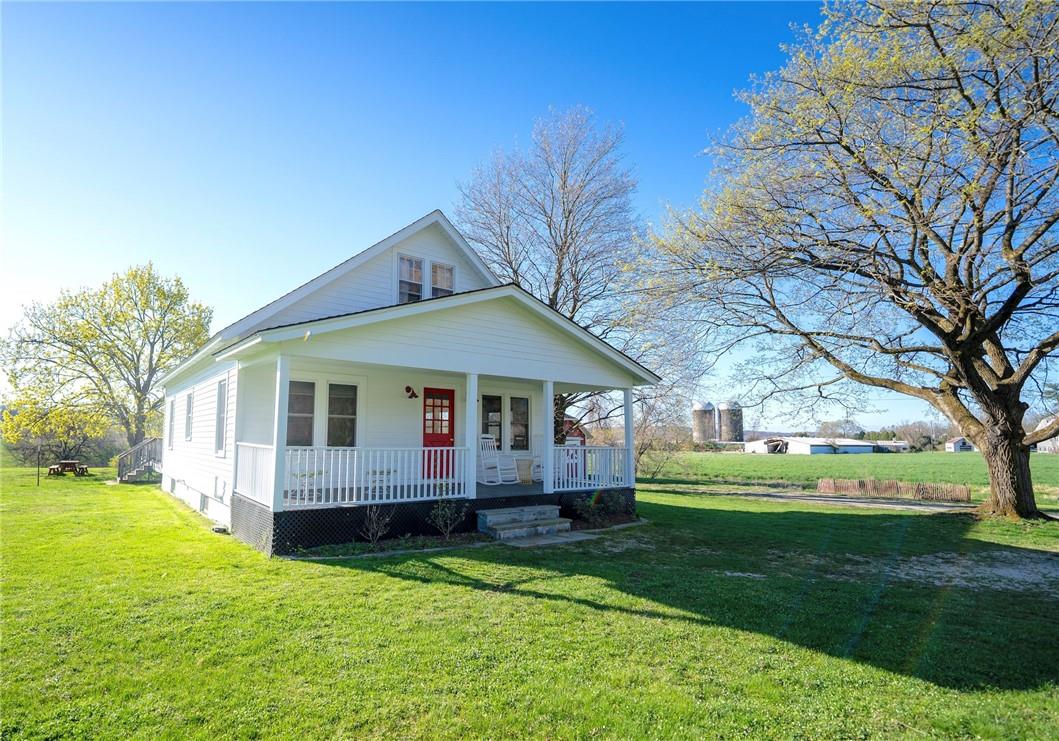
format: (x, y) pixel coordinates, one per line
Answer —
(341, 415)
(220, 425)
(410, 280)
(301, 399)
(519, 423)
(441, 282)
(189, 414)
(172, 421)
(492, 424)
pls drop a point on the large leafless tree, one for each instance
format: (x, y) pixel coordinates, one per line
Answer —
(556, 218)
(887, 218)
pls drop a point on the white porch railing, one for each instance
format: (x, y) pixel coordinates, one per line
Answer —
(581, 467)
(337, 476)
(254, 470)
(330, 477)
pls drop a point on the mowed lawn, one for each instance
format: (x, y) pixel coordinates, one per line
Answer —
(806, 470)
(123, 615)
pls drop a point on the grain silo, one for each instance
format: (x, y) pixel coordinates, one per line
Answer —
(703, 422)
(730, 421)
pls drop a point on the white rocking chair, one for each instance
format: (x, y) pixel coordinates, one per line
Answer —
(495, 468)
(539, 450)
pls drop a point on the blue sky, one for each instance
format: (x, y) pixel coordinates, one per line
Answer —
(249, 147)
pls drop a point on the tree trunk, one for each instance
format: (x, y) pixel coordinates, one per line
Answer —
(1010, 485)
(135, 437)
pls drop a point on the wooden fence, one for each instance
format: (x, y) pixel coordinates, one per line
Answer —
(895, 489)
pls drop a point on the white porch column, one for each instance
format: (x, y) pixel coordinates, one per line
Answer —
(547, 415)
(630, 458)
(470, 436)
(279, 432)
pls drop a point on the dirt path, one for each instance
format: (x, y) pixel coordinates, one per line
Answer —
(872, 503)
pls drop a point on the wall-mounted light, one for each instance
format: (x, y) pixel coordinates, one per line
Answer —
(411, 392)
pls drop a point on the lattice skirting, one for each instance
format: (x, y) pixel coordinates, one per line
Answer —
(281, 533)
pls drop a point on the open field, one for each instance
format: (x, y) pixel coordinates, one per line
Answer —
(124, 616)
(805, 470)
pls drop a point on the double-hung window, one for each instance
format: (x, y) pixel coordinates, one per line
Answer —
(410, 280)
(220, 424)
(492, 424)
(341, 415)
(440, 280)
(189, 414)
(300, 402)
(519, 423)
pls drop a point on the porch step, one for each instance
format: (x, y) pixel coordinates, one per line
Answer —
(511, 530)
(521, 522)
(529, 513)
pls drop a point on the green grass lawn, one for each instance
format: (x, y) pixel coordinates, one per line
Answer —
(123, 615)
(806, 470)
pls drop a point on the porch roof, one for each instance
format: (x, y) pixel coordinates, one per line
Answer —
(304, 330)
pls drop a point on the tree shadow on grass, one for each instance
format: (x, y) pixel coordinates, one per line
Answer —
(908, 593)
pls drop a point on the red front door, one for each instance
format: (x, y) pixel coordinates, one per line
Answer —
(438, 430)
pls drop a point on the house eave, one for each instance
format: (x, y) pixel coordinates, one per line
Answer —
(205, 352)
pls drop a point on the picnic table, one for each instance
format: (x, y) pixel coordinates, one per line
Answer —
(74, 467)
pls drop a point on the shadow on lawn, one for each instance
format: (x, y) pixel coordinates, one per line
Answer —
(821, 580)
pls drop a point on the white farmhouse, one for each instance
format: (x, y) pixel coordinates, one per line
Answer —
(809, 445)
(406, 374)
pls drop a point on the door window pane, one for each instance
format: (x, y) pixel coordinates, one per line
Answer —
(519, 423)
(410, 283)
(300, 401)
(341, 415)
(440, 280)
(436, 415)
(491, 423)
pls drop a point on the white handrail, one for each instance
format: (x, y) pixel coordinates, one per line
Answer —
(583, 467)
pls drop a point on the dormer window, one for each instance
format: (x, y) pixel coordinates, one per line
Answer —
(410, 282)
(440, 280)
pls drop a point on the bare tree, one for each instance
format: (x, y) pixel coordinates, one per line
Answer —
(888, 219)
(847, 427)
(557, 220)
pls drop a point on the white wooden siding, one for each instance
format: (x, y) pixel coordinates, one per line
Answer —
(500, 338)
(193, 470)
(374, 283)
(386, 417)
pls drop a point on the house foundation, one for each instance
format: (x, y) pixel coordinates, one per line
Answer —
(286, 532)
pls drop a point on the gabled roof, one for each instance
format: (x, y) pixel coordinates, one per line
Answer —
(435, 217)
(298, 330)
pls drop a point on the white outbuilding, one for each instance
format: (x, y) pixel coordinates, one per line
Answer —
(959, 445)
(810, 446)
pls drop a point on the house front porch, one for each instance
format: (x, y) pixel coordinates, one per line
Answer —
(412, 438)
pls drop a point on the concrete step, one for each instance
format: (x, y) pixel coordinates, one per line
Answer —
(532, 541)
(504, 515)
(513, 530)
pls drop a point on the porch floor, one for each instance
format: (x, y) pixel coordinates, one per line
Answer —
(483, 491)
